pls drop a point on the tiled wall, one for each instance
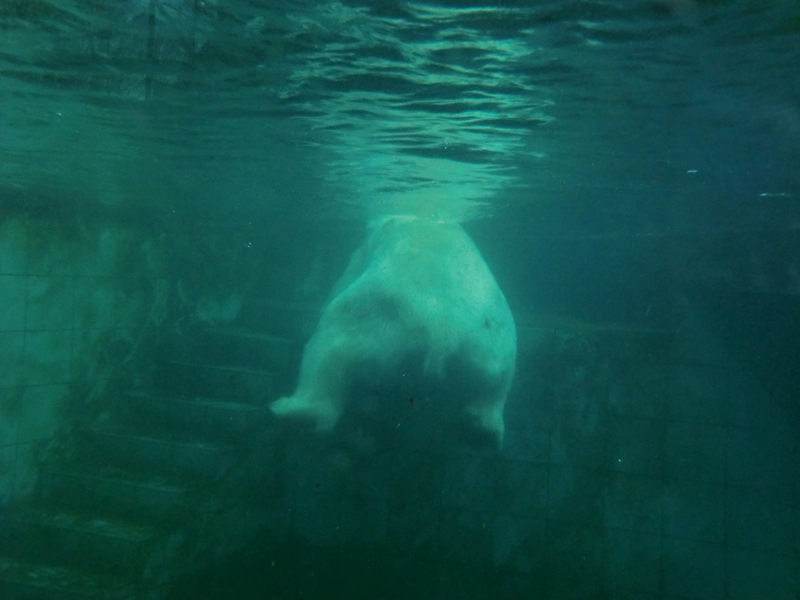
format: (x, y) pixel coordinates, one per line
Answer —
(636, 465)
(79, 298)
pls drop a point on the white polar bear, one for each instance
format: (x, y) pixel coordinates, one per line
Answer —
(416, 301)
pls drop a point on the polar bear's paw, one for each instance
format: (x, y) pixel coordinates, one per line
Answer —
(484, 426)
(322, 415)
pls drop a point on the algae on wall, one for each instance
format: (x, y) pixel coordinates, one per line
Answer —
(83, 296)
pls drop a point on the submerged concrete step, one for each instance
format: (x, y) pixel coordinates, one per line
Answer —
(288, 319)
(29, 581)
(201, 417)
(110, 492)
(93, 545)
(190, 379)
(231, 345)
(183, 460)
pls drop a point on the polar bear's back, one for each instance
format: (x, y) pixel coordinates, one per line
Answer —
(429, 277)
(432, 259)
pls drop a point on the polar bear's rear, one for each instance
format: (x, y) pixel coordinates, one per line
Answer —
(417, 298)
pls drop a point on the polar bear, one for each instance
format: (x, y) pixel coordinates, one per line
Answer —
(417, 301)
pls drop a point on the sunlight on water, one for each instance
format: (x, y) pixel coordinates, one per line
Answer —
(356, 109)
(406, 109)
(426, 109)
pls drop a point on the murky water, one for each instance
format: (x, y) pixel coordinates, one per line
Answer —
(629, 171)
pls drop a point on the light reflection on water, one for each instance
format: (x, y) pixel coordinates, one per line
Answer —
(380, 107)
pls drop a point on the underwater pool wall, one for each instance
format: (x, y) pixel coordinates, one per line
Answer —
(82, 298)
(637, 464)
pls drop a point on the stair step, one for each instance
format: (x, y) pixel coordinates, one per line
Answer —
(23, 581)
(180, 459)
(259, 350)
(217, 381)
(292, 319)
(110, 492)
(101, 546)
(212, 419)
(240, 346)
